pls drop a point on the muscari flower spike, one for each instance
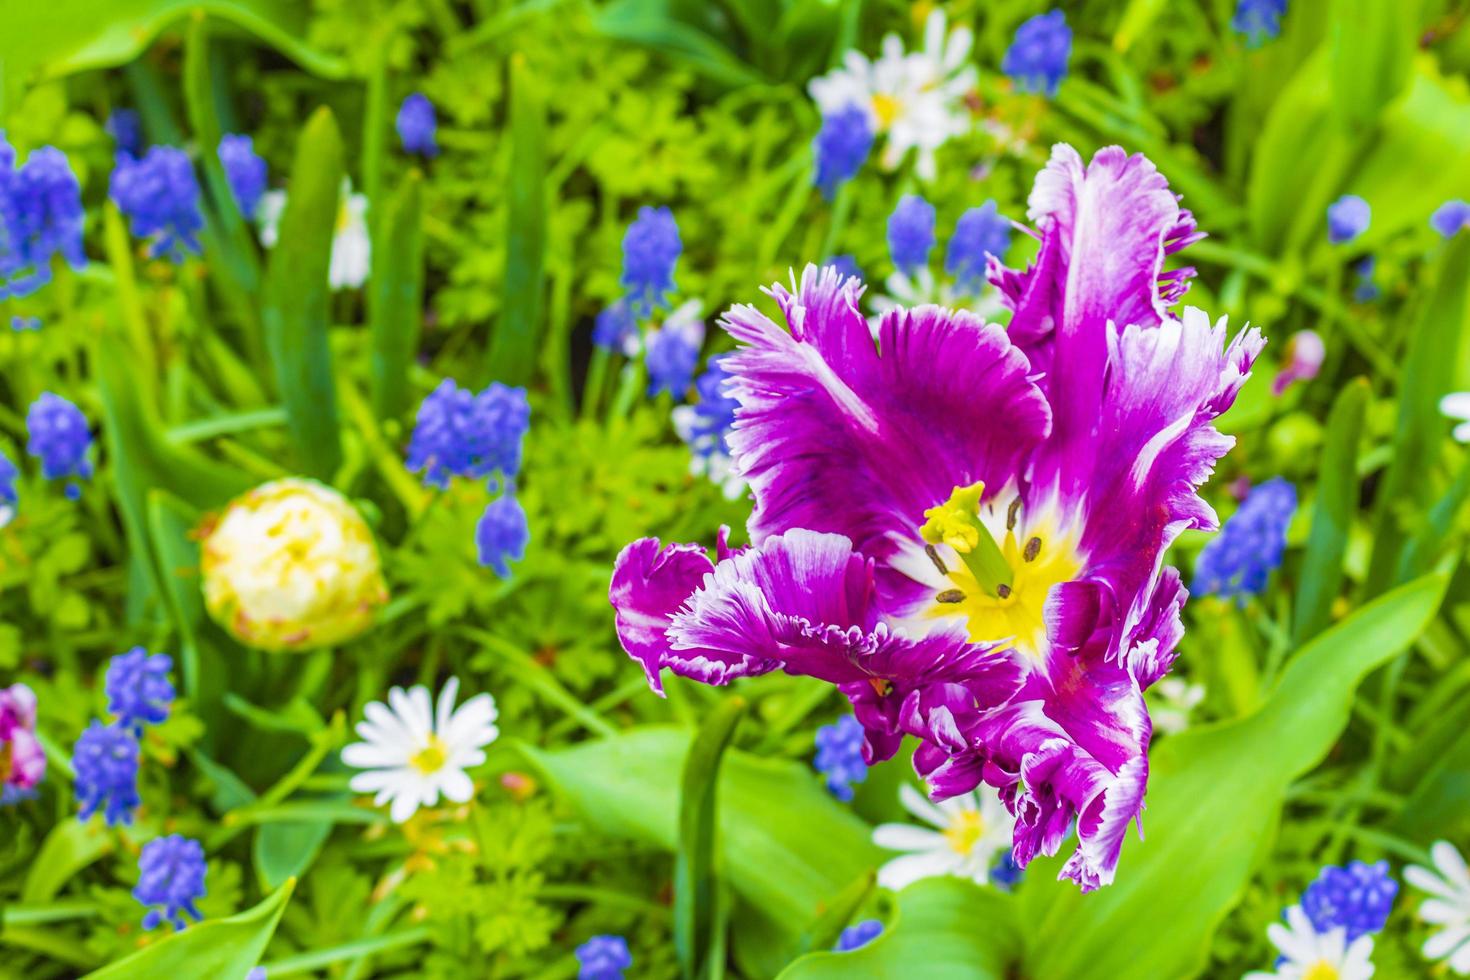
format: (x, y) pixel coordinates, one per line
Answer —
(1365, 290)
(460, 433)
(106, 762)
(1356, 897)
(651, 250)
(22, 760)
(858, 935)
(126, 130)
(245, 170)
(40, 218)
(61, 440)
(706, 425)
(841, 146)
(920, 502)
(1450, 217)
(603, 958)
(1006, 874)
(911, 233)
(160, 195)
(616, 329)
(980, 233)
(9, 496)
(171, 875)
(671, 351)
(840, 756)
(417, 125)
(1037, 59)
(1239, 561)
(1258, 20)
(501, 535)
(1347, 218)
(138, 689)
(845, 266)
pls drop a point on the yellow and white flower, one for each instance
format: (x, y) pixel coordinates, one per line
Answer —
(1307, 954)
(916, 100)
(412, 752)
(291, 565)
(973, 830)
(352, 252)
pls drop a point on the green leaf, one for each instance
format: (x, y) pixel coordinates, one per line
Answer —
(827, 928)
(1372, 49)
(514, 344)
(1436, 345)
(956, 929)
(1137, 19)
(695, 876)
(396, 296)
(1332, 515)
(626, 786)
(1214, 795)
(283, 851)
(297, 298)
(225, 948)
(70, 846)
(653, 25)
(54, 39)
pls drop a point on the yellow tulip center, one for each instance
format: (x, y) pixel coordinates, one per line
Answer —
(431, 758)
(999, 587)
(964, 831)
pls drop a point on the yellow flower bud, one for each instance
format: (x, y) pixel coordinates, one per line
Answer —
(291, 565)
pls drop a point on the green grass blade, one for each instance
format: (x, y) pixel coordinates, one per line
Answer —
(396, 296)
(514, 345)
(297, 298)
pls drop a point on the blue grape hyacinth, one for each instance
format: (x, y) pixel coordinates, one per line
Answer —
(671, 352)
(1347, 218)
(502, 534)
(1357, 897)
(61, 440)
(979, 233)
(651, 250)
(138, 689)
(40, 218)
(1450, 217)
(160, 195)
(245, 170)
(9, 496)
(417, 125)
(911, 233)
(858, 935)
(841, 147)
(603, 958)
(1037, 58)
(1258, 20)
(460, 433)
(105, 759)
(616, 329)
(126, 130)
(840, 756)
(1238, 561)
(171, 874)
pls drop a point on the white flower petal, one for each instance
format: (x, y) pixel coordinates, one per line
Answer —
(906, 837)
(914, 802)
(910, 868)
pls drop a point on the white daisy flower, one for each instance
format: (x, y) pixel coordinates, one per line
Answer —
(1449, 908)
(1311, 955)
(351, 248)
(1457, 407)
(917, 100)
(411, 753)
(973, 830)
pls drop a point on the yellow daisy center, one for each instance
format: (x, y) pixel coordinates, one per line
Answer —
(885, 107)
(964, 831)
(1321, 970)
(1000, 588)
(432, 757)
